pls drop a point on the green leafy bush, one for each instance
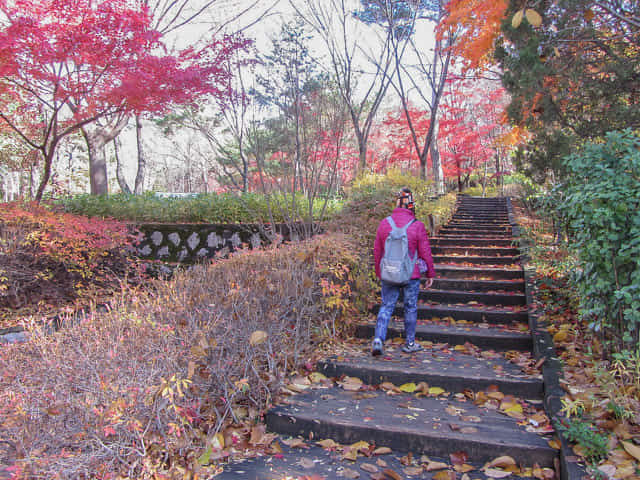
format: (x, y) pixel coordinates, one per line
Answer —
(201, 208)
(601, 202)
(594, 445)
(375, 194)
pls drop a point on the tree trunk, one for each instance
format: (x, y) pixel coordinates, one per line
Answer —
(97, 136)
(142, 162)
(436, 164)
(97, 162)
(122, 181)
(46, 171)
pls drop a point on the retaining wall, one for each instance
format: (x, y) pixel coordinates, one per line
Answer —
(189, 243)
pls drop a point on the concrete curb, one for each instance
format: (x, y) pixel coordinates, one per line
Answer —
(543, 347)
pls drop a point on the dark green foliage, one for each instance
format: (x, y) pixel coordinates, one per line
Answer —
(594, 445)
(572, 79)
(601, 203)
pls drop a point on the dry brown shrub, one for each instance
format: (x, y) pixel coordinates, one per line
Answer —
(147, 385)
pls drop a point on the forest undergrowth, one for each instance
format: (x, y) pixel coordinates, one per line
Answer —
(601, 407)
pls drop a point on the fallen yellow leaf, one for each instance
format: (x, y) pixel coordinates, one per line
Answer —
(258, 337)
(408, 387)
(631, 449)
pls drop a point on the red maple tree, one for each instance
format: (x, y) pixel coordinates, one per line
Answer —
(473, 128)
(394, 144)
(67, 63)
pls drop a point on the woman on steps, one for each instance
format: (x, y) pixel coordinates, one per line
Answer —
(418, 242)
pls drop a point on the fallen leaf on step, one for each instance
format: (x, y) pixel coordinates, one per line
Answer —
(463, 468)
(392, 474)
(382, 451)
(431, 466)
(495, 473)
(412, 471)
(295, 443)
(458, 458)
(350, 473)
(445, 475)
(328, 443)
(503, 461)
(369, 467)
(631, 449)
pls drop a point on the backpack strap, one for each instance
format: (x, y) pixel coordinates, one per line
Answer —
(394, 226)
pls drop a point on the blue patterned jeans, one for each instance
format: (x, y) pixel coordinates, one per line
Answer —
(390, 294)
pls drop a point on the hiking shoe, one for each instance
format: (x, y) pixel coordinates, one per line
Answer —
(376, 347)
(411, 347)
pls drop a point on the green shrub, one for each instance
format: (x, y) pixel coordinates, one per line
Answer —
(528, 190)
(601, 201)
(375, 195)
(201, 208)
(594, 445)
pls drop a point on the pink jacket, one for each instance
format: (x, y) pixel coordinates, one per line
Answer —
(418, 239)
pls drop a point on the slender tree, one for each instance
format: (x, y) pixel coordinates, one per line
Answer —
(62, 69)
(362, 92)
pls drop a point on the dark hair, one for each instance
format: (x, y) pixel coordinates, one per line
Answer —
(405, 198)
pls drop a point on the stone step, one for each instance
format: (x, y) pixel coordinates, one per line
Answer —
(471, 313)
(471, 242)
(472, 228)
(493, 213)
(438, 366)
(485, 224)
(476, 313)
(464, 251)
(458, 296)
(477, 260)
(479, 285)
(313, 462)
(484, 217)
(497, 337)
(405, 422)
(477, 273)
(444, 231)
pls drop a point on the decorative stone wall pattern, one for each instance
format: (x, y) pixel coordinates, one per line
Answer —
(189, 243)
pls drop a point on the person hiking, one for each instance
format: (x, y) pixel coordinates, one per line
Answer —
(417, 244)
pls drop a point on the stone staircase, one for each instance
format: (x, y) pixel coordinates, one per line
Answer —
(473, 325)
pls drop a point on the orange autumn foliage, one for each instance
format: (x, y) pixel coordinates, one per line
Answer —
(477, 25)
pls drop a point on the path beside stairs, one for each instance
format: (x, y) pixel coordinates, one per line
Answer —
(474, 392)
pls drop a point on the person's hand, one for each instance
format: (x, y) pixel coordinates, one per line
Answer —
(428, 283)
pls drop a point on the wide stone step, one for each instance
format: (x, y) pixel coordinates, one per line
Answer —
(496, 337)
(474, 251)
(479, 224)
(470, 223)
(444, 231)
(477, 273)
(458, 296)
(407, 423)
(477, 314)
(478, 260)
(479, 285)
(471, 242)
(484, 217)
(438, 366)
(493, 212)
(313, 462)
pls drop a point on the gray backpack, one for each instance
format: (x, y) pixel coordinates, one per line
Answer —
(397, 266)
